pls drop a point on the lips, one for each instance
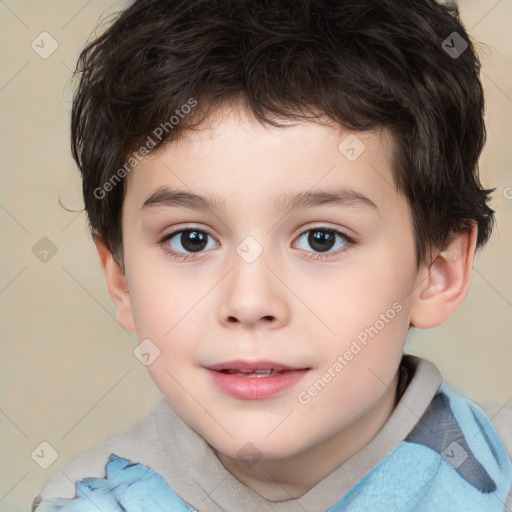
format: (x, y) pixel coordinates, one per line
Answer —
(255, 380)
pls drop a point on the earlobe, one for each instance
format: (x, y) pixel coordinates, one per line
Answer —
(444, 285)
(116, 284)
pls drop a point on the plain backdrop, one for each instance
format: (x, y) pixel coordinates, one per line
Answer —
(68, 375)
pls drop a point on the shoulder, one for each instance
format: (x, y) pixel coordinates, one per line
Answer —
(473, 416)
(472, 437)
(425, 375)
(501, 419)
(126, 486)
(138, 442)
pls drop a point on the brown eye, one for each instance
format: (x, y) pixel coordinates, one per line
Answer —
(321, 240)
(187, 241)
(193, 240)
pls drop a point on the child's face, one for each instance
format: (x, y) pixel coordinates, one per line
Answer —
(342, 313)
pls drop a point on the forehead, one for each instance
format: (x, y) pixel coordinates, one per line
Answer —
(234, 160)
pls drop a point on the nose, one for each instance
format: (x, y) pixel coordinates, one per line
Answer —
(252, 295)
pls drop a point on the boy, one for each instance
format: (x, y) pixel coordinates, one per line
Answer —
(278, 191)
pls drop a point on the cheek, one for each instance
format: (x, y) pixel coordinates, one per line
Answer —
(356, 298)
(160, 299)
(360, 362)
(366, 308)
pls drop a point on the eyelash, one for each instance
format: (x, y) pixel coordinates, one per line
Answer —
(194, 256)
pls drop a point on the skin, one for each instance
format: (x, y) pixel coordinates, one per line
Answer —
(293, 304)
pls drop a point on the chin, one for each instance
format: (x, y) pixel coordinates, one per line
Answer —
(252, 449)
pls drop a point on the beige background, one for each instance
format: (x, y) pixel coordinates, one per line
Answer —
(68, 373)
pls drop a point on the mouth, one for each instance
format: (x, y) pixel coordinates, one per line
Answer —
(258, 374)
(259, 368)
(253, 380)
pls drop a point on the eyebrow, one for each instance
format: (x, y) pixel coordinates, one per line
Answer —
(166, 197)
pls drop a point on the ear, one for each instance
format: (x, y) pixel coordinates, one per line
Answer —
(116, 284)
(443, 286)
